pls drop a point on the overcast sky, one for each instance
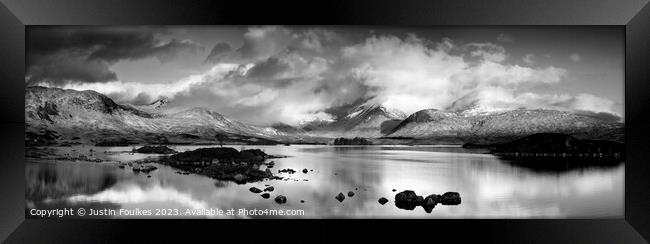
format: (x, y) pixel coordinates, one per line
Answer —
(267, 74)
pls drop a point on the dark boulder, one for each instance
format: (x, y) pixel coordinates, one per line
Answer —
(305, 171)
(430, 202)
(289, 171)
(350, 194)
(281, 199)
(383, 200)
(270, 188)
(408, 200)
(265, 195)
(340, 197)
(450, 198)
(255, 190)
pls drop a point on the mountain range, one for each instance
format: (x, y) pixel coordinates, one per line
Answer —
(55, 116)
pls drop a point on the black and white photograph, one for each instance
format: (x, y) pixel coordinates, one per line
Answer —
(312, 122)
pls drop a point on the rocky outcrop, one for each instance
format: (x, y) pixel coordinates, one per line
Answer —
(221, 154)
(222, 163)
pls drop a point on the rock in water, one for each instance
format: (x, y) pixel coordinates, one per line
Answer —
(280, 199)
(266, 195)
(430, 202)
(383, 200)
(408, 200)
(289, 171)
(450, 198)
(255, 190)
(340, 197)
(270, 188)
(305, 171)
(350, 194)
(144, 168)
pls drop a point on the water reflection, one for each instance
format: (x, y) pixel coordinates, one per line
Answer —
(489, 187)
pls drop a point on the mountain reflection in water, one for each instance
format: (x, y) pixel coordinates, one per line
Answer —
(490, 187)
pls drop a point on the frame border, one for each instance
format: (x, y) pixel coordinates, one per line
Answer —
(15, 15)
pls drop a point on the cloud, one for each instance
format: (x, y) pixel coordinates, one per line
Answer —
(292, 75)
(528, 59)
(575, 57)
(409, 75)
(62, 55)
(263, 42)
(487, 51)
(135, 92)
(218, 52)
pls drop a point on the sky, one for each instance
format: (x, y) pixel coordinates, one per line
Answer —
(291, 74)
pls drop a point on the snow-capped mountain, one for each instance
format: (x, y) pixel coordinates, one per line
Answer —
(366, 120)
(493, 125)
(91, 115)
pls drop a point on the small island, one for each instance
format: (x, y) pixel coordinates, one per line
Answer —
(223, 163)
(353, 141)
(556, 152)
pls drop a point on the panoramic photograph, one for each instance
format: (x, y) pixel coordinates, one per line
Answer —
(324, 122)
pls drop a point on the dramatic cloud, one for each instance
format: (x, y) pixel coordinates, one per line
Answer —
(288, 75)
(64, 55)
(410, 76)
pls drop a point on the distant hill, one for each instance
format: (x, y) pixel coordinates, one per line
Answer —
(504, 125)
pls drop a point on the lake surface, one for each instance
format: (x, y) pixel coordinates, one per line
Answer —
(489, 187)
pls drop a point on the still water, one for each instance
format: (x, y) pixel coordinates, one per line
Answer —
(489, 187)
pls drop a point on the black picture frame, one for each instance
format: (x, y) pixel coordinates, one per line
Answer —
(634, 15)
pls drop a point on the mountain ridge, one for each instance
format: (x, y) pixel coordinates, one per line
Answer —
(74, 113)
(54, 114)
(430, 123)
